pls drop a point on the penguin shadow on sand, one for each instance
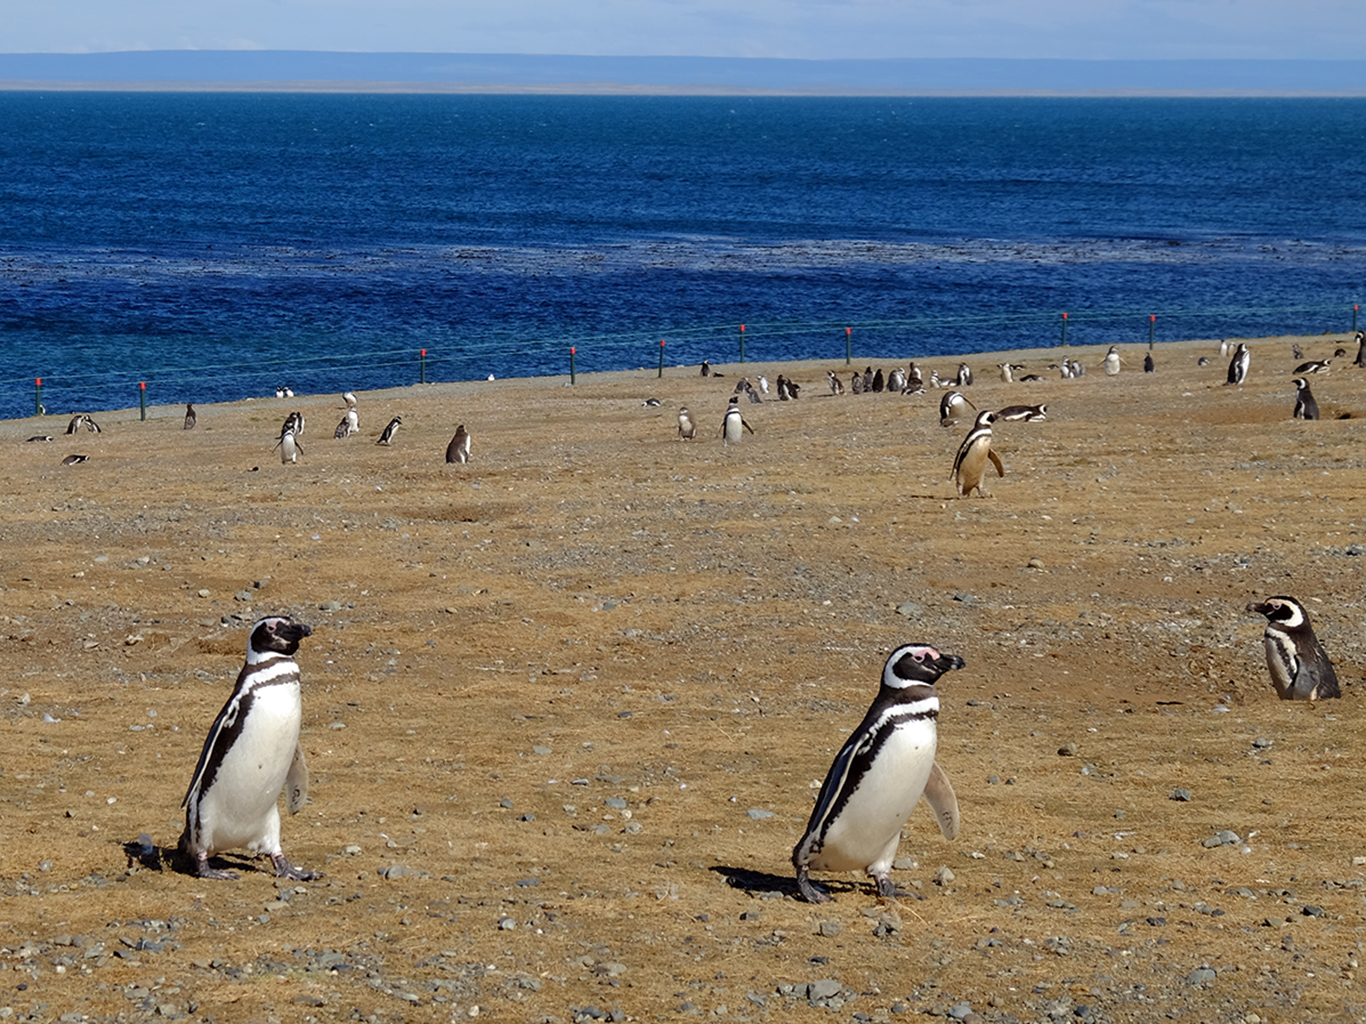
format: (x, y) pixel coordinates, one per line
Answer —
(143, 854)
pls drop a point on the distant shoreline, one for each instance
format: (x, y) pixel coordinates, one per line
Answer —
(623, 89)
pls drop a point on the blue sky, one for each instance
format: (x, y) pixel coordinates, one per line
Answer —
(812, 29)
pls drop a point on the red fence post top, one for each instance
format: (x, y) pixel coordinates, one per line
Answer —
(142, 385)
(572, 349)
(424, 353)
(38, 381)
(742, 328)
(1064, 316)
(661, 342)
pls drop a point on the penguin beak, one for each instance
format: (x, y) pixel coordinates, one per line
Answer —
(949, 662)
(1260, 609)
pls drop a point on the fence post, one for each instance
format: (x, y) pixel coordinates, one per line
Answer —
(661, 357)
(742, 343)
(572, 349)
(847, 357)
(1151, 321)
(422, 368)
(37, 396)
(142, 398)
(1064, 330)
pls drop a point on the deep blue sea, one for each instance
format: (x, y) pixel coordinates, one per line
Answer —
(217, 245)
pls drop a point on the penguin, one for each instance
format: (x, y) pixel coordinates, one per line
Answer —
(763, 383)
(251, 754)
(687, 429)
(289, 391)
(836, 385)
(386, 437)
(190, 418)
(76, 423)
(951, 407)
(279, 391)
(1111, 362)
(1360, 339)
(1296, 351)
(73, 460)
(294, 422)
(1029, 378)
(1064, 368)
(794, 389)
(1237, 366)
(1305, 406)
(896, 380)
(1314, 366)
(1148, 365)
(879, 382)
(734, 425)
(856, 384)
(782, 384)
(1077, 369)
(1223, 347)
(742, 385)
(867, 378)
(39, 437)
(1338, 353)
(1202, 361)
(349, 398)
(1299, 667)
(753, 396)
(1006, 375)
(91, 425)
(1027, 413)
(706, 368)
(651, 403)
(459, 448)
(879, 776)
(290, 448)
(341, 431)
(915, 383)
(935, 382)
(964, 375)
(970, 464)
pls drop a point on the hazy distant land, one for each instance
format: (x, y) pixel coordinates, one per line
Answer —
(315, 71)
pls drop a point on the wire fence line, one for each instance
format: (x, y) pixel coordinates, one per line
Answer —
(921, 336)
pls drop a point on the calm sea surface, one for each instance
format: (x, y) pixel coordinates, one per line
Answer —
(216, 245)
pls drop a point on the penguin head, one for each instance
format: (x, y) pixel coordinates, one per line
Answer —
(917, 663)
(1300, 383)
(1283, 610)
(985, 419)
(277, 633)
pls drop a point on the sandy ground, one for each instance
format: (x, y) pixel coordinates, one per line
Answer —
(566, 707)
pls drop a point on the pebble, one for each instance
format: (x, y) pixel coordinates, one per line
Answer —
(1224, 838)
(758, 814)
(830, 929)
(944, 876)
(1068, 749)
(910, 609)
(1182, 795)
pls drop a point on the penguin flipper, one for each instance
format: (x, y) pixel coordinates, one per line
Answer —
(1314, 681)
(996, 461)
(746, 426)
(296, 782)
(943, 801)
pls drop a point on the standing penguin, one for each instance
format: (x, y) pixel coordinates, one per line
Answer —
(387, 436)
(251, 754)
(687, 429)
(190, 418)
(1007, 375)
(1237, 366)
(1111, 361)
(459, 448)
(836, 385)
(1148, 365)
(964, 375)
(867, 378)
(970, 465)
(1360, 339)
(878, 382)
(896, 380)
(879, 776)
(1299, 666)
(733, 427)
(290, 448)
(951, 406)
(1305, 406)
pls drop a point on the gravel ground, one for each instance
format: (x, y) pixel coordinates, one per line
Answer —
(566, 707)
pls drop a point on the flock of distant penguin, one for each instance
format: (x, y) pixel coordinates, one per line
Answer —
(884, 769)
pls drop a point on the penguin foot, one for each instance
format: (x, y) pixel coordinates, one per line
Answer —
(284, 869)
(202, 869)
(809, 892)
(887, 889)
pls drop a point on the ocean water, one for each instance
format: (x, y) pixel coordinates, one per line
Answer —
(217, 245)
